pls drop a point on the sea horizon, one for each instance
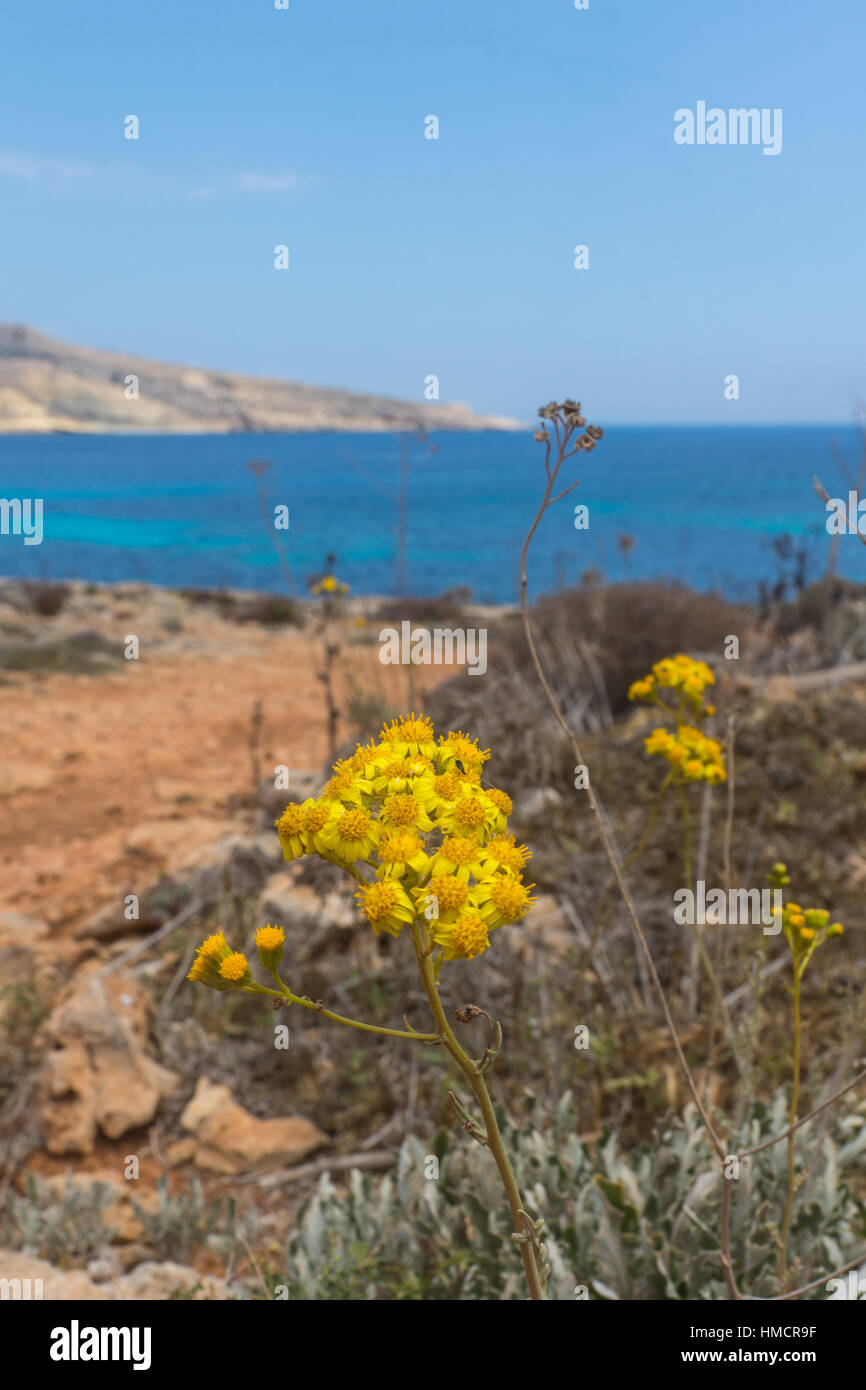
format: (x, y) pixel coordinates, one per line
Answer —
(185, 510)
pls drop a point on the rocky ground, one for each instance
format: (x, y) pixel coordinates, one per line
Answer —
(154, 1139)
(150, 777)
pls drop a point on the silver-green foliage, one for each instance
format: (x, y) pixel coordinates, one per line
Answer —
(637, 1225)
(66, 1227)
(181, 1221)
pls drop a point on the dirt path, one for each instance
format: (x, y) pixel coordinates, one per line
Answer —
(106, 779)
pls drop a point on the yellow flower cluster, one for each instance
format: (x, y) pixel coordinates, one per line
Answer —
(808, 924)
(677, 673)
(412, 807)
(693, 756)
(806, 928)
(328, 584)
(217, 965)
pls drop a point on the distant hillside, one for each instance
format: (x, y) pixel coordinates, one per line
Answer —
(48, 387)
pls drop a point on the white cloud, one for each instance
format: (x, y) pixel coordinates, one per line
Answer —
(267, 183)
(252, 182)
(33, 167)
(59, 175)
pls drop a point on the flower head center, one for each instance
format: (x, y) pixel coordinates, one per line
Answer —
(397, 848)
(354, 824)
(457, 849)
(511, 897)
(315, 818)
(450, 892)
(469, 936)
(379, 900)
(401, 809)
(234, 967)
(469, 813)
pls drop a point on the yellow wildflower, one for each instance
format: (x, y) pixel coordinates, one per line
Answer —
(401, 852)
(503, 898)
(458, 747)
(351, 836)
(463, 939)
(505, 854)
(206, 966)
(269, 943)
(460, 855)
(235, 968)
(386, 906)
(412, 736)
(471, 813)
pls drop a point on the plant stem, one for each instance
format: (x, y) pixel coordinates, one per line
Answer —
(528, 1249)
(286, 993)
(687, 836)
(595, 805)
(792, 1116)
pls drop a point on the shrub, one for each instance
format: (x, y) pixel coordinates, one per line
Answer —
(184, 1220)
(46, 599)
(66, 1228)
(269, 609)
(642, 1225)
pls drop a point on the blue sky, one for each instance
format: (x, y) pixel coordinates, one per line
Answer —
(411, 257)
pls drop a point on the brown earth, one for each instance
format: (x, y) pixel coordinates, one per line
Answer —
(107, 779)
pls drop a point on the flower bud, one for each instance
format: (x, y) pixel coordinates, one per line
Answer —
(207, 968)
(269, 941)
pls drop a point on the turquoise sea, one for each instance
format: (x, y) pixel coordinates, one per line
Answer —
(702, 504)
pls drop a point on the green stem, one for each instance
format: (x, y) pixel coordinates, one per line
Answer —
(687, 836)
(528, 1249)
(286, 993)
(641, 845)
(792, 1117)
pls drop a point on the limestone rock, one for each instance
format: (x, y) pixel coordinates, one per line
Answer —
(109, 922)
(230, 1140)
(235, 864)
(181, 1151)
(21, 928)
(544, 930)
(536, 803)
(37, 1279)
(152, 1281)
(157, 1281)
(288, 904)
(100, 1076)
